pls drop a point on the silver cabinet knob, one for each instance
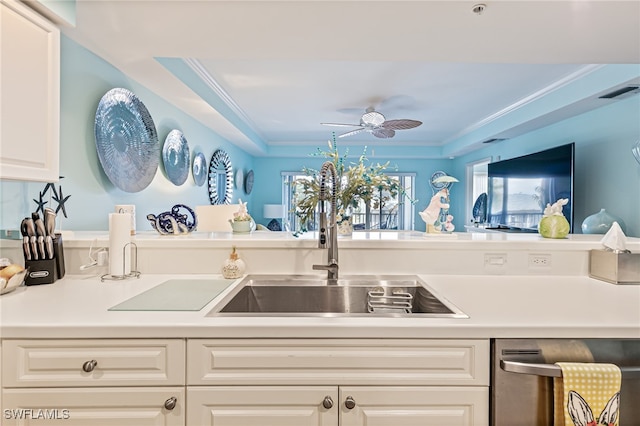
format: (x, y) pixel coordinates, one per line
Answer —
(170, 403)
(349, 402)
(327, 402)
(88, 366)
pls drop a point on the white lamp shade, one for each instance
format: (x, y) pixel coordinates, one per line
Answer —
(273, 211)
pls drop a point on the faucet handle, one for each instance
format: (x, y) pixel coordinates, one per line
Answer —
(322, 231)
(331, 268)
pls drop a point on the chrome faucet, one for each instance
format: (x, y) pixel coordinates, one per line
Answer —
(330, 241)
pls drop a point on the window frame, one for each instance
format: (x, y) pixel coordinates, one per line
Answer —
(405, 216)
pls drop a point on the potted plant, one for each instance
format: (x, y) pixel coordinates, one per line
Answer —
(360, 181)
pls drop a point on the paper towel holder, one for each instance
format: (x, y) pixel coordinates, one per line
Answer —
(134, 265)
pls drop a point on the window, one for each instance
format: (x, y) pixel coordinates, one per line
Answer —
(477, 183)
(397, 213)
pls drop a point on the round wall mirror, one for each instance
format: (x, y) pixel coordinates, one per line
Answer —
(220, 178)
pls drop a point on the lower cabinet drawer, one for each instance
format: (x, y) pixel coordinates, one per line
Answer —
(337, 361)
(86, 407)
(69, 363)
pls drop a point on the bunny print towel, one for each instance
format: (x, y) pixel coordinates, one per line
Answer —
(587, 395)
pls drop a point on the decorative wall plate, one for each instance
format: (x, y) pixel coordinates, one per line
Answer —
(239, 179)
(248, 182)
(199, 169)
(220, 178)
(175, 157)
(126, 140)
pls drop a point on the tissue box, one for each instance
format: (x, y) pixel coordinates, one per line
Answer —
(616, 268)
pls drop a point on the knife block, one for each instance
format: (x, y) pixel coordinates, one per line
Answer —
(46, 271)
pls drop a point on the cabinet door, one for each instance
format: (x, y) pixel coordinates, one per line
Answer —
(30, 101)
(424, 406)
(262, 405)
(97, 406)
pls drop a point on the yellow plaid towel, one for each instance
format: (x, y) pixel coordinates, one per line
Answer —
(587, 394)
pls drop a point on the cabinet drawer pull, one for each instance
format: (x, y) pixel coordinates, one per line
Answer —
(349, 402)
(170, 403)
(88, 366)
(327, 402)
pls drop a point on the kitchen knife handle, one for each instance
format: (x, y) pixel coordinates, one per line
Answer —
(34, 247)
(49, 246)
(26, 248)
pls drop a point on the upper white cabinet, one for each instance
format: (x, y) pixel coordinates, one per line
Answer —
(30, 95)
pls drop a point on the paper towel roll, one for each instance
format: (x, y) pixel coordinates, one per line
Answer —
(119, 237)
(130, 209)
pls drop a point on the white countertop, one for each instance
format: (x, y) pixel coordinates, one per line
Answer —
(498, 306)
(359, 239)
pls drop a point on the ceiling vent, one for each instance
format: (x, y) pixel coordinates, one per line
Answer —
(621, 93)
(494, 140)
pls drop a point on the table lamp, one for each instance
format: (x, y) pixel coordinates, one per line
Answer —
(275, 212)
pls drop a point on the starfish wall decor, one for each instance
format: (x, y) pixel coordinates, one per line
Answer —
(56, 195)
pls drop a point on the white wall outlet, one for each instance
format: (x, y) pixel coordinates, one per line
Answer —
(539, 261)
(495, 260)
(103, 258)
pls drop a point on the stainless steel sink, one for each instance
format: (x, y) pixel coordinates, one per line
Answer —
(359, 295)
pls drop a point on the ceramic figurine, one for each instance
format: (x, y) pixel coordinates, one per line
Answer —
(448, 225)
(553, 223)
(242, 222)
(174, 222)
(432, 213)
(233, 267)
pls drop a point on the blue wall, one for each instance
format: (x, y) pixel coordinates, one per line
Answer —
(268, 189)
(607, 175)
(85, 78)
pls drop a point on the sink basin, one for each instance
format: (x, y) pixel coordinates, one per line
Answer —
(361, 295)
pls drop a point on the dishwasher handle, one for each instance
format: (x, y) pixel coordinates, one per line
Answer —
(552, 370)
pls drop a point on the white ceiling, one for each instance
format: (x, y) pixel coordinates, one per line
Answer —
(265, 74)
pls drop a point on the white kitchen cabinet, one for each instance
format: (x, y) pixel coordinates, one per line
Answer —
(98, 381)
(262, 405)
(30, 101)
(96, 406)
(420, 405)
(337, 406)
(390, 381)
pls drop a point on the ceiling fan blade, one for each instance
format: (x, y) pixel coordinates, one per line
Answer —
(401, 124)
(340, 124)
(353, 132)
(383, 133)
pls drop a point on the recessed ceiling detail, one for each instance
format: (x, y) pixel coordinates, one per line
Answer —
(265, 85)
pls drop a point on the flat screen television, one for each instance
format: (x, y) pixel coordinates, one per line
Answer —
(520, 188)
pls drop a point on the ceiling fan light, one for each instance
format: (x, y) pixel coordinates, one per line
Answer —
(373, 118)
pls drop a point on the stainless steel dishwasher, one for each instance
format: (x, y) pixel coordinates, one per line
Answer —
(522, 373)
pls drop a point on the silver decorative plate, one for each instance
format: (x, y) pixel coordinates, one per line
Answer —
(199, 169)
(126, 140)
(175, 157)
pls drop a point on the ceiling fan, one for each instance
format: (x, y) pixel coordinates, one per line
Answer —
(374, 122)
